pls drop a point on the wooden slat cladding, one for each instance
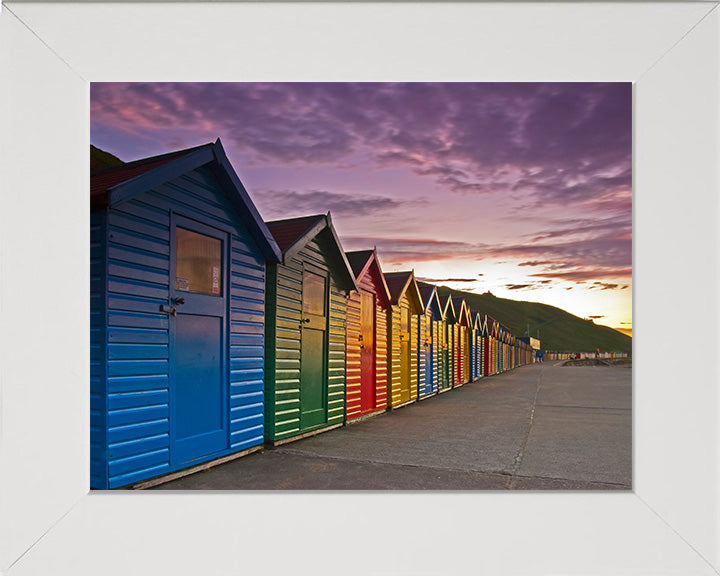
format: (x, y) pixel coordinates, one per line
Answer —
(368, 285)
(284, 340)
(397, 387)
(336, 357)
(427, 355)
(138, 334)
(98, 351)
(419, 352)
(444, 360)
(466, 354)
(435, 339)
(353, 394)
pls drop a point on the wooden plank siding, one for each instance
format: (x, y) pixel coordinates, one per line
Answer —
(98, 351)
(395, 382)
(435, 339)
(419, 352)
(137, 341)
(444, 370)
(369, 283)
(284, 342)
(468, 354)
(427, 344)
(353, 388)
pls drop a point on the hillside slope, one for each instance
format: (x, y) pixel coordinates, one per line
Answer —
(100, 159)
(559, 330)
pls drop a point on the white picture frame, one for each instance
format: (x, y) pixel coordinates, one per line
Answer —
(51, 523)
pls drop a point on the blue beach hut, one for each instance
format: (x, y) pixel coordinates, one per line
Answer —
(177, 257)
(429, 342)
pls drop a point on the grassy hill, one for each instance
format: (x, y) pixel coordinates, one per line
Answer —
(100, 159)
(559, 330)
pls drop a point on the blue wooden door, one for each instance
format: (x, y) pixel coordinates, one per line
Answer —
(198, 304)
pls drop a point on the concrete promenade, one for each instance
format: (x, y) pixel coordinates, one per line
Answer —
(538, 427)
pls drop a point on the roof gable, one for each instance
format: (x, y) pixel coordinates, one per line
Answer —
(462, 314)
(364, 262)
(293, 234)
(402, 283)
(116, 185)
(431, 298)
(359, 261)
(449, 310)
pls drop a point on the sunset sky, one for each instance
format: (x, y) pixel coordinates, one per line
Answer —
(521, 189)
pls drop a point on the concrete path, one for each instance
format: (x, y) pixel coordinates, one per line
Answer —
(538, 427)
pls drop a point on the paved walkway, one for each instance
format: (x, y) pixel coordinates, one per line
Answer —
(538, 427)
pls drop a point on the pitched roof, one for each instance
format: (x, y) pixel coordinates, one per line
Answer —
(293, 234)
(431, 297)
(102, 180)
(396, 282)
(358, 259)
(426, 290)
(400, 282)
(449, 310)
(361, 261)
(287, 232)
(116, 185)
(457, 302)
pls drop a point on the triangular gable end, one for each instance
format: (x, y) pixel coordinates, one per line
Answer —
(431, 298)
(361, 263)
(409, 286)
(449, 311)
(461, 311)
(321, 225)
(166, 167)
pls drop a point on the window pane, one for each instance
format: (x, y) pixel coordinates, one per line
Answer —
(313, 294)
(198, 264)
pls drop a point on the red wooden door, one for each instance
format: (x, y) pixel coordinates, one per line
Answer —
(367, 352)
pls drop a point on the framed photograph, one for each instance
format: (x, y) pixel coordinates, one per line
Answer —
(49, 520)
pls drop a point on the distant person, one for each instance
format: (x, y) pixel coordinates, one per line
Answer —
(597, 352)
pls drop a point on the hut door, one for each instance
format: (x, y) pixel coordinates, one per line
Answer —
(313, 387)
(446, 371)
(427, 346)
(367, 351)
(198, 425)
(466, 354)
(404, 354)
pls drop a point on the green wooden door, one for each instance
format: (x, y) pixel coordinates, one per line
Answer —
(313, 381)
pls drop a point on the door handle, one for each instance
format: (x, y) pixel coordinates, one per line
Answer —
(169, 310)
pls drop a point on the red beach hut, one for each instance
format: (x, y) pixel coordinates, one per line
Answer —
(367, 309)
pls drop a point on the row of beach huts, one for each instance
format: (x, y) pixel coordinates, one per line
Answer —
(214, 333)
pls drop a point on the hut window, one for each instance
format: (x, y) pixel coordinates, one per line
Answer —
(198, 264)
(313, 294)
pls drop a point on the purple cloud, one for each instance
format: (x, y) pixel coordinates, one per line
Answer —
(402, 250)
(436, 280)
(278, 203)
(557, 142)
